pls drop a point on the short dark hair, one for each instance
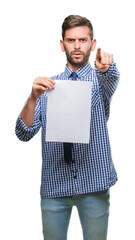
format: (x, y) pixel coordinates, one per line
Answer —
(75, 21)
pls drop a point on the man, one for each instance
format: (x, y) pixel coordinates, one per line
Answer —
(83, 180)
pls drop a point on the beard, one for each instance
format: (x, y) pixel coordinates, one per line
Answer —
(77, 61)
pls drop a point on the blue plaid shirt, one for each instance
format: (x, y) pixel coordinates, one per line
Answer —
(92, 168)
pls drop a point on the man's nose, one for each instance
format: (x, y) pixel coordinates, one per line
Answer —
(77, 44)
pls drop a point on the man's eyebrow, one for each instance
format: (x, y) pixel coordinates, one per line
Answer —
(71, 38)
(86, 38)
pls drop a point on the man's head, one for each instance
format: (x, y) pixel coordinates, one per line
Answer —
(75, 21)
(78, 42)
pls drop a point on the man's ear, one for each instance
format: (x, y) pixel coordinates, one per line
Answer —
(93, 45)
(62, 46)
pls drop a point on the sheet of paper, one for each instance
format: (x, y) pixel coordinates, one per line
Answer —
(69, 112)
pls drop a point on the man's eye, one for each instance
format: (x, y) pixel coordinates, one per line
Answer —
(70, 40)
(83, 40)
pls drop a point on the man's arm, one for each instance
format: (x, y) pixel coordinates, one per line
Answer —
(40, 85)
(107, 73)
(108, 77)
(28, 122)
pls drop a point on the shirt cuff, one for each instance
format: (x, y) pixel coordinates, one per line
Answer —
(22, 125)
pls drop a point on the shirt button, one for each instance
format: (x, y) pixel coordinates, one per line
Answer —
(75, 177)
(73, 161)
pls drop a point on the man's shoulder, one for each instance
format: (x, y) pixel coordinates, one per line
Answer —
(59, 76)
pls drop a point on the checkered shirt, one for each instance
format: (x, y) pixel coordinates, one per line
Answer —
(92, 168)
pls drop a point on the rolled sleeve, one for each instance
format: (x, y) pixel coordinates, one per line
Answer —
(22, 131)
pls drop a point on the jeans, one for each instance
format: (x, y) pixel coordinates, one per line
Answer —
(93, 209)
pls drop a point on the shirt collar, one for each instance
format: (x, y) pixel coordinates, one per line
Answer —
(81, 72)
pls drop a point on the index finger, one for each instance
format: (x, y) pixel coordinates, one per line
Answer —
(98, 55)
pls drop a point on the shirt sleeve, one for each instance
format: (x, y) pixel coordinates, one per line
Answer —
(108, 83)
(22, 131)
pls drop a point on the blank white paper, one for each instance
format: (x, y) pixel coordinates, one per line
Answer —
(69, 112)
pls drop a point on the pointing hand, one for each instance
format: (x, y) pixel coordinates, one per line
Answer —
(103, 60)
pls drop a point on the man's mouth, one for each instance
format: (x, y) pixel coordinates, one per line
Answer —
(77, 54)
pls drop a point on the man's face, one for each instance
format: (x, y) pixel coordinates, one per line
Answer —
(77, 45)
